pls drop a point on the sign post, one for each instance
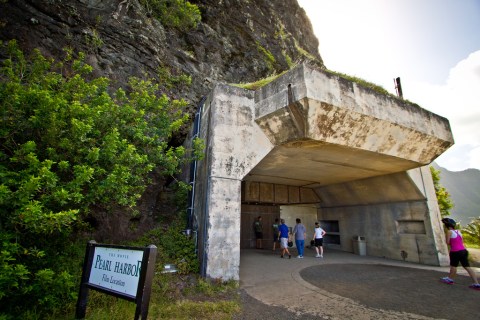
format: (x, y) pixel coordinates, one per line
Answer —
(124, 272)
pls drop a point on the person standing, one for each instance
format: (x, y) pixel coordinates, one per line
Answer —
(318, 234)
(258, 228)
(275, 234)
(300, 233)
(283, 234)
(458, 254)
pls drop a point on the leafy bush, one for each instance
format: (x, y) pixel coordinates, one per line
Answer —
(67, 144)
(173, 247)
(472, 233)
(443, 197)
(178, 14)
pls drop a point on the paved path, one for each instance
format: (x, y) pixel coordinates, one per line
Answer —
(347, 286)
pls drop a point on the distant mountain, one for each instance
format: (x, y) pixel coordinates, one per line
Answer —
(464, 189)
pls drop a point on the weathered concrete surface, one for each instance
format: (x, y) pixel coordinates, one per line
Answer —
(398, 216)
(350, 145)
(227, 129)
(354, 132)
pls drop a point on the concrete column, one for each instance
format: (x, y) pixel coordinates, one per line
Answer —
(235, 144)
(422, 177)
(223, 243)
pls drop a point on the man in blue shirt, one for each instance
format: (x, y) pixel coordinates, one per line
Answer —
(283, 234)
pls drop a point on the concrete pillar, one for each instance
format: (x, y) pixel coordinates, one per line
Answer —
(234, 145)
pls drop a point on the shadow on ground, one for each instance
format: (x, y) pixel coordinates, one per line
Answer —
(400, 289)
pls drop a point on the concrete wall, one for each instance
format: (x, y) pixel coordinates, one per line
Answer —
(325, 107)
(396, 214)
(307, 213)
(233, 147)
(310, 129)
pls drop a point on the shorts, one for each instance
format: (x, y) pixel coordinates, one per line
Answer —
(318, 242)
(459, 257)
(259, 235)
(284, 243)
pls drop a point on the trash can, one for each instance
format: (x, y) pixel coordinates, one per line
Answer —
(359, 245)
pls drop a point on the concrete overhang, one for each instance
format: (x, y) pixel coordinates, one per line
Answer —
(327, 130)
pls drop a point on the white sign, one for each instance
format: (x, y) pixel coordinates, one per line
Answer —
(116, 269)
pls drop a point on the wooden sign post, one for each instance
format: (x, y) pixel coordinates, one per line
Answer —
(124, 272)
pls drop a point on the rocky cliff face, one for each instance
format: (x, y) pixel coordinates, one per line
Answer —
(231, 44)
(236, 41)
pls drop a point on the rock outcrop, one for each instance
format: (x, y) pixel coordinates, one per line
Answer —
(237, 41)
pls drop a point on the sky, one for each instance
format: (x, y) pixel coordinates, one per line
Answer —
(432, 45)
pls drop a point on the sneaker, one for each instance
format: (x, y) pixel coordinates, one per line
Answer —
(475, 286)
(281, 256)
(447, 280)
(321, 256)
(318, 256)
(289, 257)
(300, 257)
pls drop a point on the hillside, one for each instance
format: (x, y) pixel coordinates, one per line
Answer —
(236, 41)
(464, 189)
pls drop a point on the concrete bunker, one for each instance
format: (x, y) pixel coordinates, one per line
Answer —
(316, 146)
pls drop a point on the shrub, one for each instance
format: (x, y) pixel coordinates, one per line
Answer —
(443, 197)
(472, 232)
(173, 247)
(67, 144)
(178, 14)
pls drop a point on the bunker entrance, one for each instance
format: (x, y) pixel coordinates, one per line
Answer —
(274, 201)
(360, 156)
(349, 191)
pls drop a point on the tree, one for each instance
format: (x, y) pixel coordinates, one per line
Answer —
(473, 229)
(68, 144)
(443, 197)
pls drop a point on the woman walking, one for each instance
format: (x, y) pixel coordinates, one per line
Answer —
(458, 254)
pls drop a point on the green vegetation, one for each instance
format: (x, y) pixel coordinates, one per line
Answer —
(173, 296)
(258, 84)
(280, 32)
(177, 14)
(443, 198)
(289, 61)
(304, 52)
(67, 145)
(269, 58)
(181, 295)
(168, 80)
(361, 82)
(471, 233)
(262, 82)
(93, 40)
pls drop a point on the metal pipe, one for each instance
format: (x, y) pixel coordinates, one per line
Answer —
(192, 180)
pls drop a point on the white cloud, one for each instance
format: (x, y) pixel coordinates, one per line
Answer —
(459, 101)
(379, 40)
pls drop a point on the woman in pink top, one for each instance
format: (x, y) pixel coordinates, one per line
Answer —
(458, 254)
